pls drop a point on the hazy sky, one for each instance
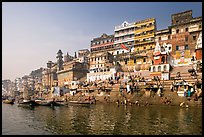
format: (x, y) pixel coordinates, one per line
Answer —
(33, 32)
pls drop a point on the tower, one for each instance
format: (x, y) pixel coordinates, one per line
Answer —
(59, 60)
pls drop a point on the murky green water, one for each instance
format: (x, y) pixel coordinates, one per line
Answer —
(102, 119)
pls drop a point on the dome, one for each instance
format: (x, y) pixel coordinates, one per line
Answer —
(137, 67)
(147, 66)
(142, 67)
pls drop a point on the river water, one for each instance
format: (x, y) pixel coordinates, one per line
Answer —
(101, 119)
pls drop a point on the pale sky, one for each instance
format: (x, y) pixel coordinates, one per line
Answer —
(33, 32)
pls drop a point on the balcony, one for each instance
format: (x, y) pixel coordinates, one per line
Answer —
(144, 42)
(139, 30)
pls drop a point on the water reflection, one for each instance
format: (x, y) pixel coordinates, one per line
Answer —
(102, 119)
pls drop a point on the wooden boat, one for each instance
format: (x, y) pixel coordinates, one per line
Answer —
(44, 102)
(60, 103)
(50, 103)
(9, 101)
(80, 102)
(29, 103)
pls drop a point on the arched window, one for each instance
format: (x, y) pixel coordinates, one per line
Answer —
(164, 67)
(163, 59)
(159, 68)
(144, 60)
(154, 69)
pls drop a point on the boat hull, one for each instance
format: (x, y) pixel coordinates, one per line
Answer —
(8, 101)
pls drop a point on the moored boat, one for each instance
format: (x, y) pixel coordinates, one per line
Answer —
(50, 103)
(44, 102)
(80, 102)
(30, 103)
(9, 101)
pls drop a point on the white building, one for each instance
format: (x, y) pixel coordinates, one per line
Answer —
(101, 74)
(124, 34)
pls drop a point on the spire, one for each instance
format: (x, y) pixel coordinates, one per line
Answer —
(75, 56)
(157, 49)
(199, 41)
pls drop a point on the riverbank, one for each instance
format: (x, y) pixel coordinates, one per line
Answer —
(141, 98)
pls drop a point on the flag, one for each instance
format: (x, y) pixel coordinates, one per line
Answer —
(124, 47)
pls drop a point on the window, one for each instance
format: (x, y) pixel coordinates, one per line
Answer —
(186, 38)
(144, 60)
(163, 60)
(177, 31)
(164, 67)
(177, 47)
(159, 68)
(194, 37)
(186, 29)
(186, 47)
(154, 69)
(134, 61)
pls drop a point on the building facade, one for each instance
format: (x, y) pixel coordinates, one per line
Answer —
(103, 43)
(124, 34)
(185, 31)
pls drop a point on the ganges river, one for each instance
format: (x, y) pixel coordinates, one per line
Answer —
(101, 119)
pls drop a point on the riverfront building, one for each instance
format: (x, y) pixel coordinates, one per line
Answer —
(103, 43)
(144, 42)
(162, 61)
(139, 38)
(185, 31)
(124, 34)
(101, 58)
(101, 66)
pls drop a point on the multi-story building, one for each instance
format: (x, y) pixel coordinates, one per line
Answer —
(83, 55)
(5, 86)
(198, 49)
(144, 43)
(101, 56)
(124, 34)
(18, 85)
(145, 34)
(73, 71)
(99, 64)
(184, 34)
(103, 43)
(49, 75)
(138, 37)
(163, 36)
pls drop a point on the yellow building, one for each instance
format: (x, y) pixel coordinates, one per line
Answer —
(145, 34)
(144, 42)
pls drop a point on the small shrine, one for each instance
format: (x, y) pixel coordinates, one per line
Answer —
(160, 66)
